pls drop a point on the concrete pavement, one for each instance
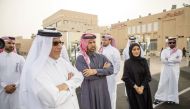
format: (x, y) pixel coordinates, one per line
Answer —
(184, 93)
(155, 66)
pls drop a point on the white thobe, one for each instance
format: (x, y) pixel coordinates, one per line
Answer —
(55, 72)
(11, 65)
(168, 84)
(114, 56)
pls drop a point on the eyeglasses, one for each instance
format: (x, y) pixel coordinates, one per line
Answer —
(171, 42)
(56, 43)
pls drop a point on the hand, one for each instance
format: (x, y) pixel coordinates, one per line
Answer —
(62, 87)
(106, 65)
(141, 89)
(70, 75)
(9, 89)
(89, 72)
(138, 89)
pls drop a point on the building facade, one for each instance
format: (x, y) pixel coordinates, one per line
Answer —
(153, 30)
(23, 45)
(73, 24)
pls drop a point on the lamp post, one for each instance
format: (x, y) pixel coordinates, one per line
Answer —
(188, 49)
(75, 49)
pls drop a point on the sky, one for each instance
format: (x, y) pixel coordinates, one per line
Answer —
(24, 17)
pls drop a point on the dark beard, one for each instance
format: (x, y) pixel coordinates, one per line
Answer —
(10, 49)
(172, 46)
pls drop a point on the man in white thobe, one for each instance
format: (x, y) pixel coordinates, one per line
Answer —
(168, 84)
(108, 49)
(11, 65)
(48, 81)
(131, 40)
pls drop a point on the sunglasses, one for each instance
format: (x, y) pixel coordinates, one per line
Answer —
(172, 42)
(56, 43)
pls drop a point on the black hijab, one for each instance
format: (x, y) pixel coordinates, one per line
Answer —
(131, 54)
(140, 59)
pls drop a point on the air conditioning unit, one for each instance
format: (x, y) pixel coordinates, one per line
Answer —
(174, 6)
(164, 10)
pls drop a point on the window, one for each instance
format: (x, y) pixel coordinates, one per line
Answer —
(129, 30)
(65, 21)
(133, 29)
(149, 27)
(144, 28)
(153, 44)
(58, 23)
(138, 29)
(155, 26)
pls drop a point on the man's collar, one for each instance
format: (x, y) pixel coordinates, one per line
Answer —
(6, 53)
(107, 46)
(51, 60)
(92, 54)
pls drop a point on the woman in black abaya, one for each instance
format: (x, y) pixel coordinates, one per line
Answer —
(137, 76)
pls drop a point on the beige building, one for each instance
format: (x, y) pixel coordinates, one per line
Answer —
(23, 45)
(73, 24)
(153, 30)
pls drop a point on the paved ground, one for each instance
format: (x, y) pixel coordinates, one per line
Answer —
(184, 98)
(184, 87)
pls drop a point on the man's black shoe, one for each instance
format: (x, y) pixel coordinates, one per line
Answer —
(156, 101)
(171, 102)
